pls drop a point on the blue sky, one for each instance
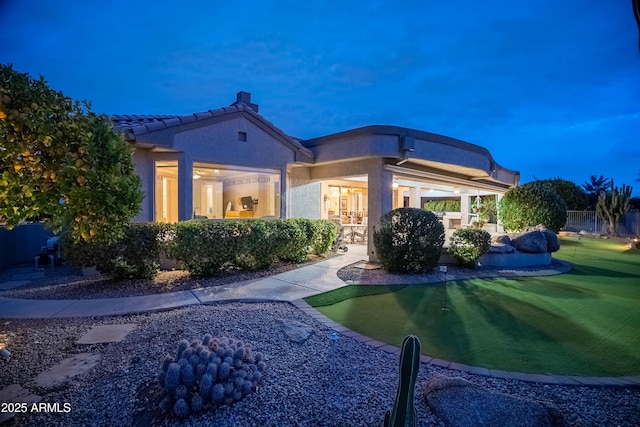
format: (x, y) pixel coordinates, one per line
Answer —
(551, 88)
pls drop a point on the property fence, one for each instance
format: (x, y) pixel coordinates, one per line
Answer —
(21, 244)
(590, 222)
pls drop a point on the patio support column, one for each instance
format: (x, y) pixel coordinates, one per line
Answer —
(499, 226)
(185, 187)
(414, 197)
(380, 201)
(285, 181)
(464, 209)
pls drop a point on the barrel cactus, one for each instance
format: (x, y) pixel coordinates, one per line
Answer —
(205, 374)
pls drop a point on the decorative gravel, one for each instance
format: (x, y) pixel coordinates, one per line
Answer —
(300, 387)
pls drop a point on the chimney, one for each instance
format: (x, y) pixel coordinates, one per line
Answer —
(245, 98)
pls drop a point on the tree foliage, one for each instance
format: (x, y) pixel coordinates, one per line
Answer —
(62, 161)
(613, 205)
(594, 187)
(574, 196)
(531, 204)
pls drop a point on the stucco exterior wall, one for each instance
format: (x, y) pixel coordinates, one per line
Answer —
(218, 143)
(304, 195)
(144, 166)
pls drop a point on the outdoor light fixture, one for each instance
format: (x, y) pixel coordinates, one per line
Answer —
(196, 176)
(395, 184)
(456, 191)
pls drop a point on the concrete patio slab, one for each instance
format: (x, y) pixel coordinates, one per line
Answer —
(16, 394)
(11, 284)
(269, 288)
(28, 309)
(106, 333)
(126, 305)
(320, 279)
(68, 368)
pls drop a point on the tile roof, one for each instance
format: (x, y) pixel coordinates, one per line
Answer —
(134, 125)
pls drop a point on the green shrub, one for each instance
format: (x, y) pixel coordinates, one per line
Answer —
(206, 248)
(574, 196)
(289, 241)
(409, 239)
(532, 204)
(327, 233)
(442, 206)
(135, 255)
(467, 245)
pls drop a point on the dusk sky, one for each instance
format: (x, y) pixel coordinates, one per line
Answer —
(551, 88)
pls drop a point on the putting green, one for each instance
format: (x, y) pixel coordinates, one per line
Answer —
(585, 322)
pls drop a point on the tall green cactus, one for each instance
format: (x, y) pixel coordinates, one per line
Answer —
(613, 205)
(403, 413)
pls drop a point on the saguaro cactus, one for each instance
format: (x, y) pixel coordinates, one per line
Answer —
(403, 413)
(612, 206)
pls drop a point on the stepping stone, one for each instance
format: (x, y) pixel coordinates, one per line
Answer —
(16, 394)
(12, 284)
(368, 266)
(107, 333)
(67, 369)
(28, 276)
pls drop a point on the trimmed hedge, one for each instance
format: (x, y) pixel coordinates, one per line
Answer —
(205, 248)
(409, 240)
(532, 204)
(467, 245)
(134, 256)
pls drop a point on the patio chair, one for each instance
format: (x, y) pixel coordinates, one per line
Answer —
(340, 242)
(360, 232)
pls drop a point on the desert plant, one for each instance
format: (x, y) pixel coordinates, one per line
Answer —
(190, 388)
(409, 239)
(467, 245)
(613, 205)
(403, 413)
(531, 204)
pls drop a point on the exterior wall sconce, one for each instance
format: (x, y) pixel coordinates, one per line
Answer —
(395, 184)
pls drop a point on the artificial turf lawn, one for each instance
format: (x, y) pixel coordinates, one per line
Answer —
(585, 322)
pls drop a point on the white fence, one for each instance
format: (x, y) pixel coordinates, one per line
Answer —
(590, 222)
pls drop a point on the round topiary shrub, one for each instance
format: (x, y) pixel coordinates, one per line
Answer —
(467, 245)
(409, 240)
(530, 205)
(208, 373)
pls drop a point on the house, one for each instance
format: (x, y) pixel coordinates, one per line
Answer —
(233, 163)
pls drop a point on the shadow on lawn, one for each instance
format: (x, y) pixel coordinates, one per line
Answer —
(587, 270)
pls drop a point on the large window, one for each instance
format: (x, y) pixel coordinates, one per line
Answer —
(166, 192)
(233, 192)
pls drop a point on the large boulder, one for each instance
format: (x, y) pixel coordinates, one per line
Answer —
(553, 243)
(533, 242)
(461, 403)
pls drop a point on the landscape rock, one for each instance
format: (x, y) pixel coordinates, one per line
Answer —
(533, 242)
(504, 239)
(501, 248)
(553, 243)
(461, 403)
(296, 331)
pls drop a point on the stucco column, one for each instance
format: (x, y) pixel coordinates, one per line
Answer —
(285, 182)
(380, 201)
(185, 187)
(414, 197)
(464, 209)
